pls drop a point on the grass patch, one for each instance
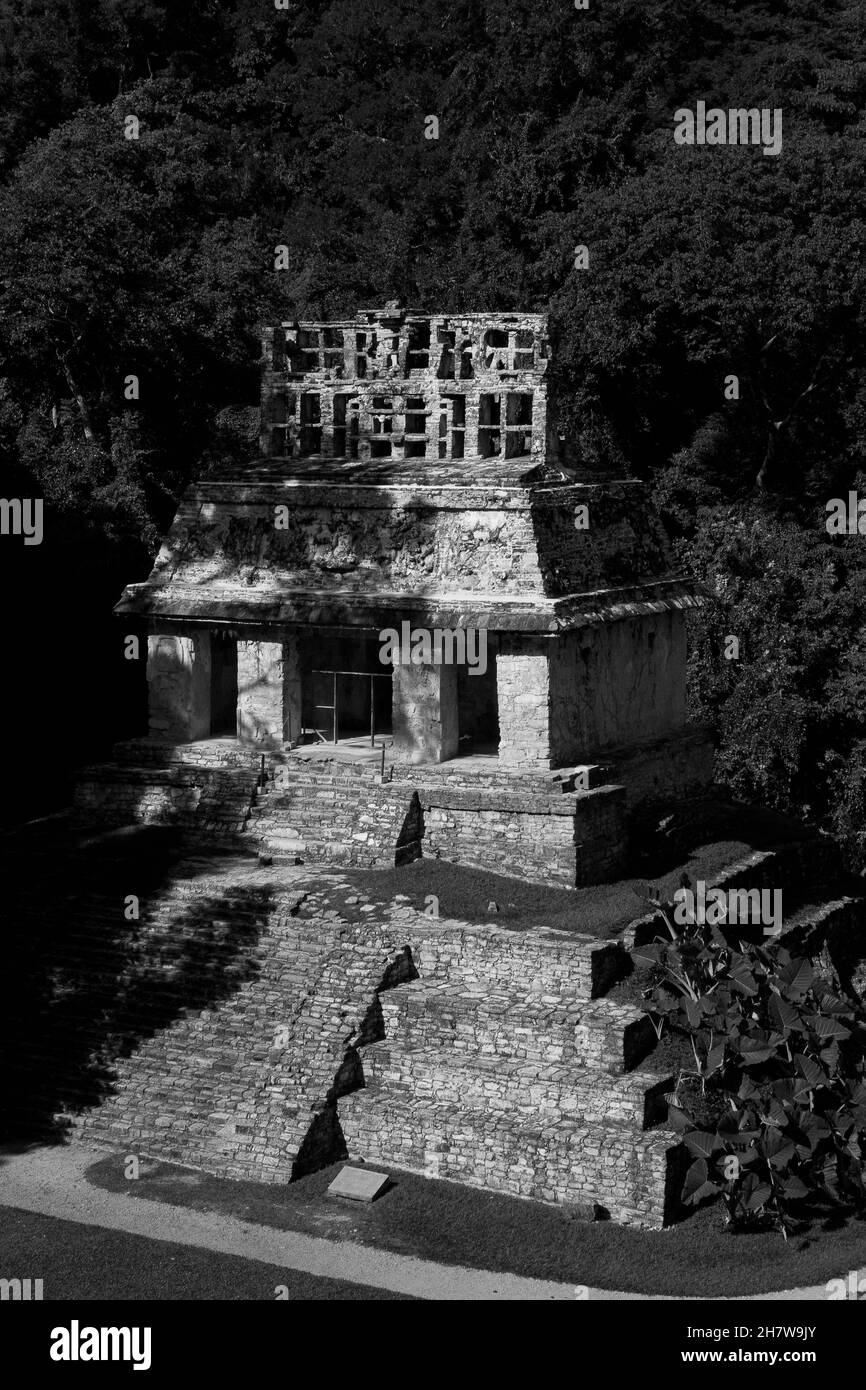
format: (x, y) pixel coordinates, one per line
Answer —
(453, 1224)
(601, 910)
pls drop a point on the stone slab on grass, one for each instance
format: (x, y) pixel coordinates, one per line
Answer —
(358, 1184)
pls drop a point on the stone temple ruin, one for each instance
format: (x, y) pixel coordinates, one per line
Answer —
(411, 471)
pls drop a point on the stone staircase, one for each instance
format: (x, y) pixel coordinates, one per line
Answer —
(231, 1023)
(301, 810)
(565, 826)
(513, 1084)
(518, 1078)
(247, 1089)
(334, 817)
(212, 801)
(238, 1023)
(215, 1029)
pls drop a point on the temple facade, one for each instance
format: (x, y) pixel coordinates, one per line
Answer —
(411, 472)
(412, 479)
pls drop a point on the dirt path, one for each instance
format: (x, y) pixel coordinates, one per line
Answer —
(51, 1181)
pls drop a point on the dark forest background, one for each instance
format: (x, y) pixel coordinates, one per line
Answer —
(305, 126)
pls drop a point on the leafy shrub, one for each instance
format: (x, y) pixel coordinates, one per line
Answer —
(774, 1120)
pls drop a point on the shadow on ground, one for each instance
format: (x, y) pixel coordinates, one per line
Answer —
(85, 981)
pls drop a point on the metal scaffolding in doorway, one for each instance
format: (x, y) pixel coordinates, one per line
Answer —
(334, 708)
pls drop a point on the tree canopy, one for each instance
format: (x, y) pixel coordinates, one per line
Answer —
(305, 126)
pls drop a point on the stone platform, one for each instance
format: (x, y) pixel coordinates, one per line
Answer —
(350, 805)
(243, 1024)
(261, 1021)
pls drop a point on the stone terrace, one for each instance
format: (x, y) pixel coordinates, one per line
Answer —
(566, 826)
(246, 1026)
(258, 1022)
(501, 1068)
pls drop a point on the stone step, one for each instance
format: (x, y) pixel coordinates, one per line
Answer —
(541, 961)
(536, 1028)
(320, 789)
(799, 869)
(556, 782)
(337, 851)
(282, 840)
(822, 915)
(428, 1073)
(346, 847)
(343, 823)
(538, 1156)
(233, 1149)
(302, 821)
(199, 1063)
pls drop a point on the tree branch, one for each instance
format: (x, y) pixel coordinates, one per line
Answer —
(82, 404)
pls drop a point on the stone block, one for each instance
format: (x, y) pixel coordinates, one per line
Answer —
(523, 692)
(269, 708)
(424, 713)
(358, 1184)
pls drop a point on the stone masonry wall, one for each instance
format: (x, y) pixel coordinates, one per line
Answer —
(546, 959)
(501, 1067)
(360, 540)
(677, 766)
(616, 682)
(523, 688)
(413, 367)
(203, 799)
(624, 537)
(569, 840)
(462, 537)
(517, 824)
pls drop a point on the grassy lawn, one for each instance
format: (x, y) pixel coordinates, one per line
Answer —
(76, 1261)
(453, 1224)
(601, 910)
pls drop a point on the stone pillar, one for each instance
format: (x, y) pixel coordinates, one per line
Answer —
(178, 681)
(446, 413)
(540, 440)
(365, 427)
(523, 691)
(326, 410)
(269, 703)
(292, 687)
(425, 713)
(470, 440)
(431, 427)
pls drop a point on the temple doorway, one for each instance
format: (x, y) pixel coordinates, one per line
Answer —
(478, 708)
(223, 686)
(346, 689)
